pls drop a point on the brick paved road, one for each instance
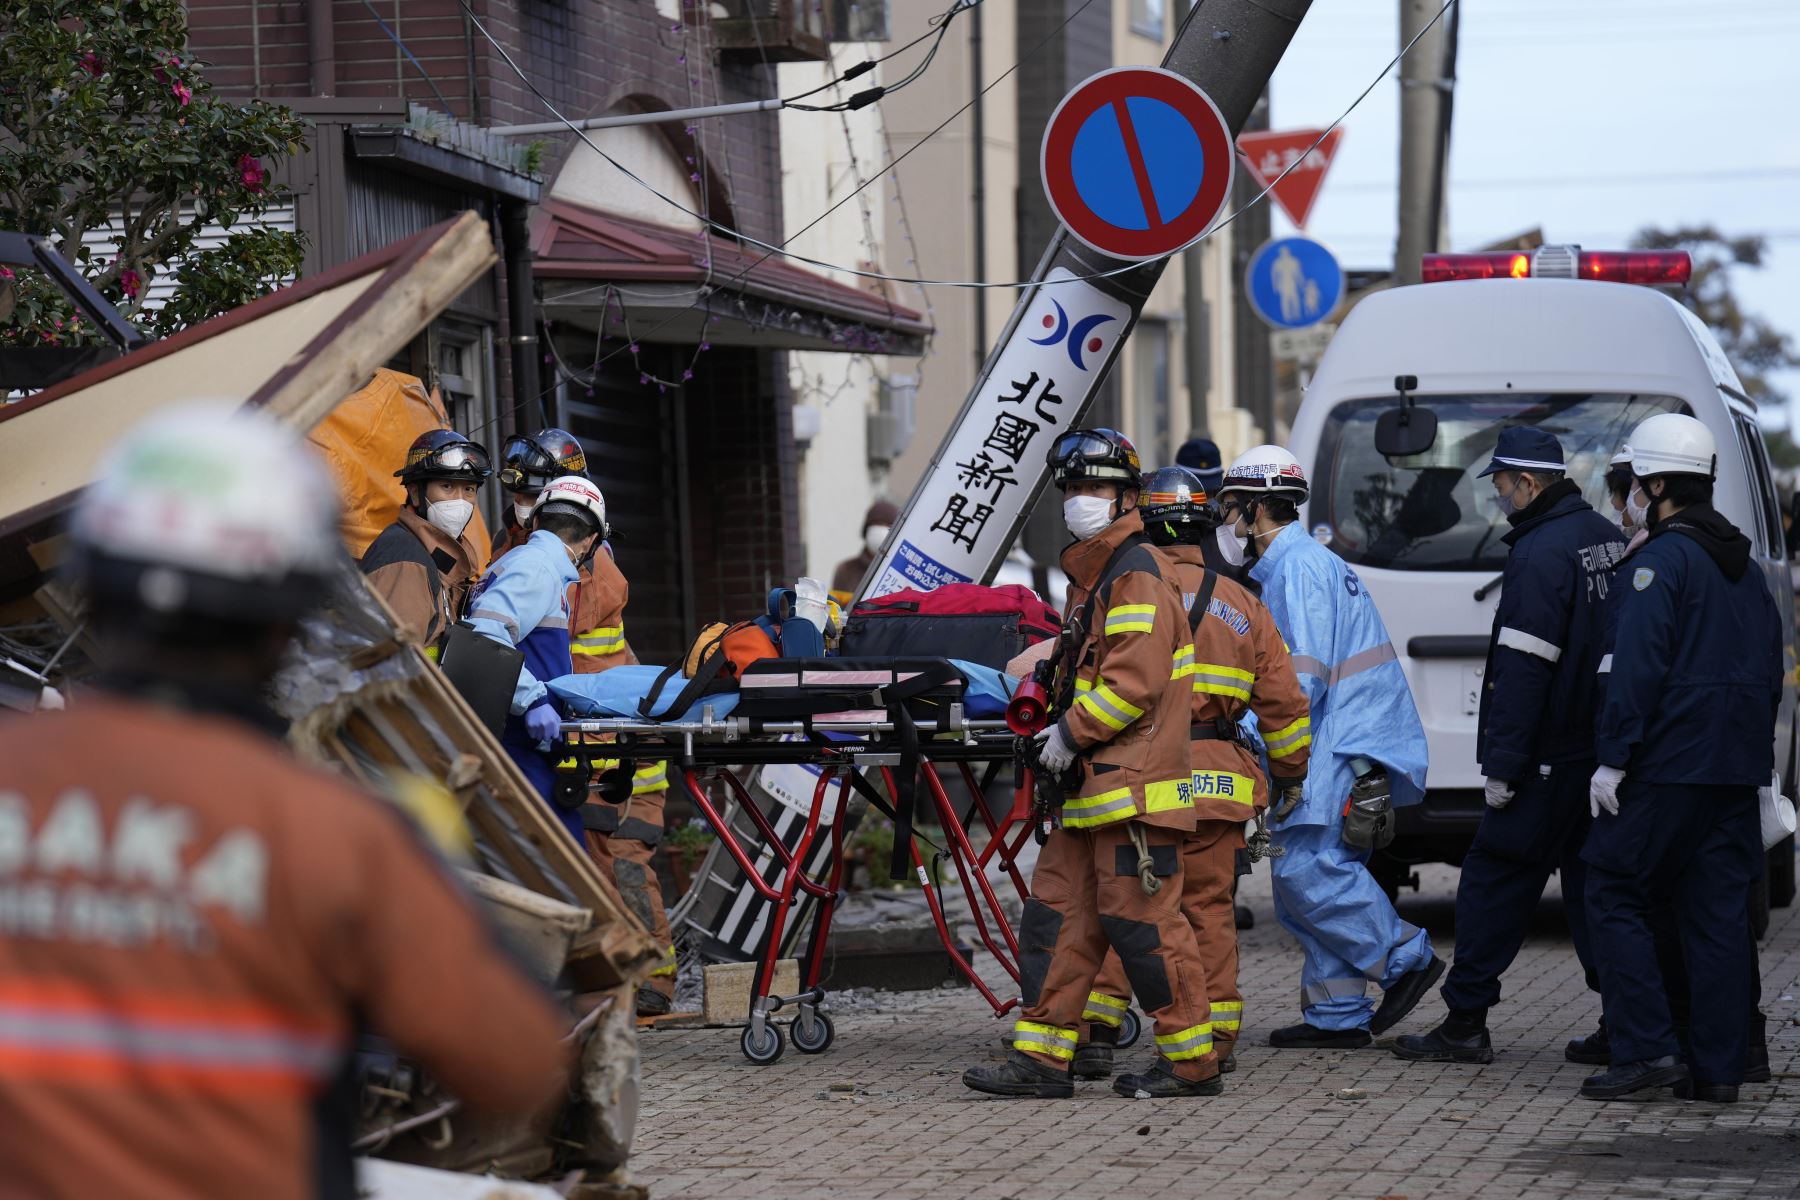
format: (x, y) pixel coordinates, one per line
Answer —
(883, 1112)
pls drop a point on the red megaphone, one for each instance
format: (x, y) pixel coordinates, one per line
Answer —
(1028, 709)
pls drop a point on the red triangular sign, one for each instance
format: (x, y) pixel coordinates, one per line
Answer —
(1267, 155)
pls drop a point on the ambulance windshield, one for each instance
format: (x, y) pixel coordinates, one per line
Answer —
(1429, 512)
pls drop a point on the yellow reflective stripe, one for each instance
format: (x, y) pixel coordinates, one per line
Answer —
(1223, 785)
(667, 966)
(1083, 685)
(567, 764)
(1228, 672)
(1221, 689)
(599, 641)
(1184, 662)
(1193, 1042)
(1108, 1010)
(1087, 811)
(1053, 1040)
(1304, 741)
(1227, 1015)
(1109, 706)
(1283, 734)
(1168, 795)
(650, 779)
(1129, 624)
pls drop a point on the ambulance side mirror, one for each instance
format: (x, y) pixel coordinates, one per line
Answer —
(1407, 430)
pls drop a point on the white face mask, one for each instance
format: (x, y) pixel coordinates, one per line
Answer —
(451, 516)
(522, 512)
(875, 537)
(1232, 544)
(1637, 508)
(1087, 515)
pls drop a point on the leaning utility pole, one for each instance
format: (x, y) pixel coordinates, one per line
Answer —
(964, 515)
(1427, 77)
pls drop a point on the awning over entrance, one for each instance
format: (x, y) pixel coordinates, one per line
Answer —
(655, 283)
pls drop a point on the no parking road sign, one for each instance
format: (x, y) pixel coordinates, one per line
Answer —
(1293, 282)
(1137, 162)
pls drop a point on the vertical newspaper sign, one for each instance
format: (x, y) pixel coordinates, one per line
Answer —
(966, 510)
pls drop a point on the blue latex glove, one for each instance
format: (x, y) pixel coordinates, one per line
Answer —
(543, 722)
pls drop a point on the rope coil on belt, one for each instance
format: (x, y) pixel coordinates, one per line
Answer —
(1146, 866)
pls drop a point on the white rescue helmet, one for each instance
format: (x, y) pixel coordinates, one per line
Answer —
(1270, 470)
(1673, 444)
(578, 495)
(211, 509)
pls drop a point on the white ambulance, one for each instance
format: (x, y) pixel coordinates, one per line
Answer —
(1580, 343)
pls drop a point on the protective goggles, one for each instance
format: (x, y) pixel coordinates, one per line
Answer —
(466, 459)
(1083, 447)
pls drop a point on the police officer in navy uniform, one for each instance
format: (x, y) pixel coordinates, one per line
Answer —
(1536, 733)
(1685, 736)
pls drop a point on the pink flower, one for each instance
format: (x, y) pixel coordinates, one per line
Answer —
(90, 62)
(6, 273)
(251, 172)
(131, 283)
(182, 92)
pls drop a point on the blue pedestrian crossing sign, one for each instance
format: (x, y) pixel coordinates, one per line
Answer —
(1294, 282)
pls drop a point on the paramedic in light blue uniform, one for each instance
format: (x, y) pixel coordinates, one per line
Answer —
(523, 601)
(1684, 739)
(1365, 730)
(1536, 734)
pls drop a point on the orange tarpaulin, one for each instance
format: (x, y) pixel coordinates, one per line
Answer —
(365, 440)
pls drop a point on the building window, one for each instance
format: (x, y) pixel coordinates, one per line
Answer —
(1151, 418)
(550, 35)
(1147, 17)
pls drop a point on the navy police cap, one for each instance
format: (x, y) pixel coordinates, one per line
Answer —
(1526, 448)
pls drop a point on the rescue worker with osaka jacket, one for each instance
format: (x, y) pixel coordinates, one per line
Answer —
(523, 601)
(424, 563)
(621, 838)
(1112, 872)
(194, 925)
(1535, 736)
(1239, 665)
(1685, 737)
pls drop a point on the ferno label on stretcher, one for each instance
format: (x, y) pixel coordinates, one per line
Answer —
(791, 786)
(963, 514)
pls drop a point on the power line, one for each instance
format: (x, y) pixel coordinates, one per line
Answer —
(1726, 174)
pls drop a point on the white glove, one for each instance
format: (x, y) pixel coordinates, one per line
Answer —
(1603, 791)
(1055, 751)
(50, 700)
(1499, 793)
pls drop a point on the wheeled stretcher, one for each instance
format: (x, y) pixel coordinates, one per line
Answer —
(889, 731)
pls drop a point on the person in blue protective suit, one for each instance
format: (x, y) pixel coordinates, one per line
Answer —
(1684, 738)
(523, 601)
(1536, 734)
(1368, 755)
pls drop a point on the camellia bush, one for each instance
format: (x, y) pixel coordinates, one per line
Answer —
(105, 118)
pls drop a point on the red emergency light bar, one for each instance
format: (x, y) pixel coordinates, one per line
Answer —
(1654, 267)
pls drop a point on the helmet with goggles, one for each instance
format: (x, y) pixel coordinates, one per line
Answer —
(444, 454)
(529, 462)
(1095, 455)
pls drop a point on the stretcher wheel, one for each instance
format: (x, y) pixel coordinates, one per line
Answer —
(1129, 1029)
(765, 1050)
(815, 1041)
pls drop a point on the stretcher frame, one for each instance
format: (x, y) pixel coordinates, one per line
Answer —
(695, 749)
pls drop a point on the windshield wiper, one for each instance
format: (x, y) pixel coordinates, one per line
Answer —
(1482, 591)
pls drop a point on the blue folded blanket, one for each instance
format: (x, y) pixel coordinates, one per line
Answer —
(617, 693)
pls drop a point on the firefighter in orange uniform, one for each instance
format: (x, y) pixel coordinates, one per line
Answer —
(193, 923)
(1239, 664)
(423, 563)
(621, 838)
(1112, 873)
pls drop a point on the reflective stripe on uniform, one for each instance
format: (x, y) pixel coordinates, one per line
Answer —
(667, 966)
(1168, 795)
(1053, 1040)
(72, 1036)
(1605, 667)
(1130, 618)
(653, 778)
(604, 640)
(1108, 707)
(1356, 664)
(431, 652)
(1322, 990)
(1087, 811)
(1285, 741)
(1219, 680)
(1518, 639)
(1108, 1010)
(1184, 662)
(1195, 1041)
(1227, 1015)
(1223, 785)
